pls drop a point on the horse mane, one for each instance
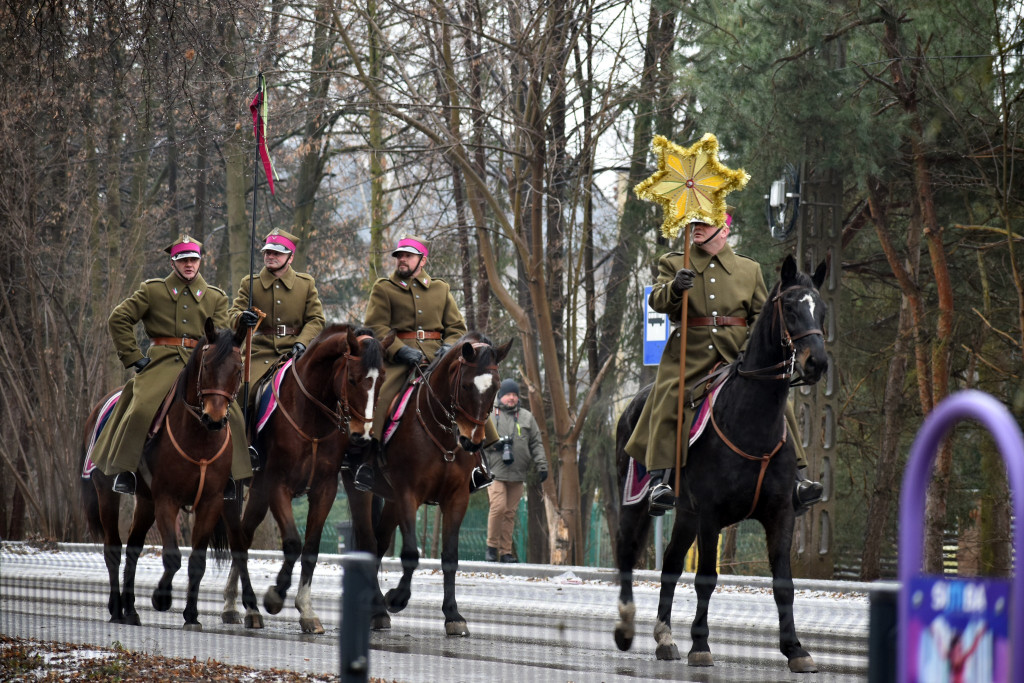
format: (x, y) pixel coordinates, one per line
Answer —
(222, 346)
(373, 352)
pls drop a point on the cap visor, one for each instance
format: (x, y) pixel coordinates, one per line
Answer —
(185, 254)
(407, 250)
(275, 247)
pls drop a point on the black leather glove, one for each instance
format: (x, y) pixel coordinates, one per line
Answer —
(410, 356)
(141, 363)
(250, 319)
(443, 349)
(298, 350)
(542, 476)
(683, 280)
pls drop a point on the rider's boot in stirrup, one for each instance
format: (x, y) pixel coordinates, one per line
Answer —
(230, 490)
(806, 493)
(254, 459)
(124, 483)
(479, 478)
(661, 498)
(364, 478)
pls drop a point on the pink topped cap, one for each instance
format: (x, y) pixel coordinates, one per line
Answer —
(411, 244)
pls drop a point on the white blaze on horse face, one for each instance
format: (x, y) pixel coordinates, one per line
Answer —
(809, 300)
(373, 375)
(483, 382)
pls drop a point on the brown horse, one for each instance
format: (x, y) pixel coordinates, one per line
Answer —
(428, 459)
(325, 402)
(187, 463)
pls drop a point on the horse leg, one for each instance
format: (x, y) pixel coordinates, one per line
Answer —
(361, 505)
(683, 533)
(397, 598)
(166, 511)
(202, 531)
(453, 511)
(634, 526)
(239, 569)
(108, 512)
(320, 500)
(779, 537)
(255, 511)
(142, 520)
(704, 585)
(281, 507)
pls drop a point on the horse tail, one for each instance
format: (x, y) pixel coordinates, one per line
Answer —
(90, 500)
(219, 542)
(624, 429)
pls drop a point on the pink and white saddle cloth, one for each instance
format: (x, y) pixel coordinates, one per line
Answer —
(267, 401)
(101, 421)
(638, 479)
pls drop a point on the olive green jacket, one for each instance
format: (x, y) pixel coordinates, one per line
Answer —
(527, 445)
(726, 284)
(168, 307)
(420, 303)
(290, 300)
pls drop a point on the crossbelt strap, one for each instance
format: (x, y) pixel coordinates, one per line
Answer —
(187, 342)
(419, 334)
(716, 321)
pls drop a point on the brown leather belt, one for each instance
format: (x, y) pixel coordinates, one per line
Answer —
(279, 330)
(419, 335)
(716, 321)
(187, 342)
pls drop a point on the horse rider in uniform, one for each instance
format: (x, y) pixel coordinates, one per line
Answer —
(173, 311)
(428, 322)
(727, 291)
(294, 314)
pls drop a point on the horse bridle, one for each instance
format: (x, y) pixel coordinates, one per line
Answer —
(787, 365)
(452, 426)
(196, 410)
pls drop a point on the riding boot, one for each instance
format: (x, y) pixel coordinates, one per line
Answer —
(806, 493)
(661, 498)
(479, 478)
(230, 490)
(364, 478)
(124, 483)
(254, 459)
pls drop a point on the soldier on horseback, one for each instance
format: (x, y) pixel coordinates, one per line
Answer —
(727, 291)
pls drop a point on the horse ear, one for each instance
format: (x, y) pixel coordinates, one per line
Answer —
(788, 269)
(211, 331)
(388, 339)
(820, 272)
(352, 339)
(502, 351)
(468, 352)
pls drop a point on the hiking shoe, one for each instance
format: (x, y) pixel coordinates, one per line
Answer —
(491, 554)
(509, 558)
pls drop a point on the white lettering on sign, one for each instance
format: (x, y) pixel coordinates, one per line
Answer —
(959, 596)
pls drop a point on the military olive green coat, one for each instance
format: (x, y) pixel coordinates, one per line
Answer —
(407, 305)
(168, 307)
(726, 284)
(290, 300)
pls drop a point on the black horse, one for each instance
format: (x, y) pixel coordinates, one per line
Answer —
(735, 470)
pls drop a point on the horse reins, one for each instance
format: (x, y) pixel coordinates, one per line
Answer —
(340, 419)
(455, 375)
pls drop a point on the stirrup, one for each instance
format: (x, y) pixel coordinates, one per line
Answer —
(124, 483)
(230, 491)
(364, 478)
(479, 479)
(806, 494)
(661, 500)
(254, 459)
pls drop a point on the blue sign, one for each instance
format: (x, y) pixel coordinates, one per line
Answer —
(656, 331)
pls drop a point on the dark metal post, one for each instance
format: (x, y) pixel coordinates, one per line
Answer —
(882, 632)
(357, 590)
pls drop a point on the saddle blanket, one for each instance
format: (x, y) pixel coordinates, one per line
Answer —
(638, 479)
(101, 421)
(268, 402)
(391, 423)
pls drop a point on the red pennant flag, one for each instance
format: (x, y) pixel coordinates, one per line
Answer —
(258, 107)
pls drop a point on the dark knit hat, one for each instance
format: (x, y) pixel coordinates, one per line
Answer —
(508, 386)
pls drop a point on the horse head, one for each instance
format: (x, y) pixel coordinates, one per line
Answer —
(470, 369)
(213, 375)
(797, 304)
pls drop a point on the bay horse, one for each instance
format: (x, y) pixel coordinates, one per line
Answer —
(734, 471)
(428, 459)
(325, 401)
(186, 463)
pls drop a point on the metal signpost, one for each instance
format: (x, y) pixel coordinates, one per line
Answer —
(357, 594)
(957, 628)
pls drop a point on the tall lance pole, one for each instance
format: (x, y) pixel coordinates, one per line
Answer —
(257, 123)
(682, 361)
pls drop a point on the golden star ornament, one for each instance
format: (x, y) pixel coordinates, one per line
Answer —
(690, 183)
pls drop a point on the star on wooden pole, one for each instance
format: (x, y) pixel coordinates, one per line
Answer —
(690, 183)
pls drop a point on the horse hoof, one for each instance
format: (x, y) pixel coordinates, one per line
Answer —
(380, 622)
(132, 619)
(623, 641)
(161, 601)
(456, 628)
(230, 617)
(311, 625)
(193, 627)
(700, 659)
(803, 665)
(254, 620)
(667, 652)
(393, 602)
(272, 602)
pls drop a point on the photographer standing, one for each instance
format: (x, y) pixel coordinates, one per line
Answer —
(508, 461)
